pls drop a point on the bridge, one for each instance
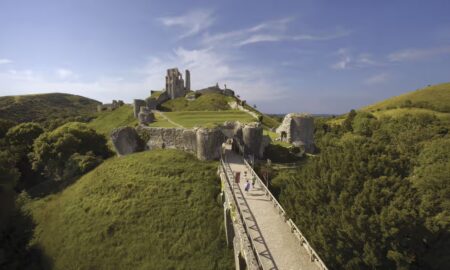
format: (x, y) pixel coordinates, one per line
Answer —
(257, 226)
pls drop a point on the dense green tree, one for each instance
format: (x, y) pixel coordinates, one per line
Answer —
(376, 197)
(5, 125)
(53, 151)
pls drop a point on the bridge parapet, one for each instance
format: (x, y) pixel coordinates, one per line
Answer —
(240, 239)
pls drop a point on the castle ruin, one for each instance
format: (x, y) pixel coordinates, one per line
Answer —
(175, 86)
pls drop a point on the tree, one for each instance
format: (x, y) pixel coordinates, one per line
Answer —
(347, 124)
(53, 152)
(23, 135)
(5, 125)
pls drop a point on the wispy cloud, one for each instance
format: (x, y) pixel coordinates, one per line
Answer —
(418, 54)
(5, 61)
(377, 79)
(269, 31)
(192, 22)
(64, 73)
(347, 60)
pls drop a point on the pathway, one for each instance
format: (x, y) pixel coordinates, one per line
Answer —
(167, 118)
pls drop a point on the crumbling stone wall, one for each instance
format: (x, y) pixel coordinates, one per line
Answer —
(137, 104)
(205, 143)
(145, 117)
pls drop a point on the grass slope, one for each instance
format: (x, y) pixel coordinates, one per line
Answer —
(109, 120)
(436, 97)
(136, 212)
(190, 119)
(45, 107)
(205, 102)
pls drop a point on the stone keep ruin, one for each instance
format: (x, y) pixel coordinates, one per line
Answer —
(297, 129)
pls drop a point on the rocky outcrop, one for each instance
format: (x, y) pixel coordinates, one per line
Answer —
(298, 129)
(126, 141)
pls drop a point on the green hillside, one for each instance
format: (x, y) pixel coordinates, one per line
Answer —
(106, 121)
(436, 98)
(46, 107)
(205, 102)
(136, 212)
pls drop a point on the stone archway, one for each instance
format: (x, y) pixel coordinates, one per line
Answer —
(283, 136)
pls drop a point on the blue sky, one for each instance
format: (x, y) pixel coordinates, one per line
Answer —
(312, 56)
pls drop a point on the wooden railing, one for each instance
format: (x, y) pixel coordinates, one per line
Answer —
(294, 229)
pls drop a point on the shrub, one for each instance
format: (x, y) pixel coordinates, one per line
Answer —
(54, 150)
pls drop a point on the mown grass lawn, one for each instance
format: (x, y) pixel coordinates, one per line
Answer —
(191, 119)
(150, 210)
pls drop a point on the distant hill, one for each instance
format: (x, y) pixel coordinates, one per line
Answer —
(150, 210)
(435, 97)
(46, 107)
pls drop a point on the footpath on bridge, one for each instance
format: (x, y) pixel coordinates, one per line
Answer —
(275, 243)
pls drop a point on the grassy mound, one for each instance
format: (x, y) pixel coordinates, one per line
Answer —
(436, 98)
(208, 118)
(45, 107)
(205, 102)
(109, 120)
(136, 212)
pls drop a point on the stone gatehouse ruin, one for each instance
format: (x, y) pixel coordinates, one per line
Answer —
(205, 143)
(297, 129)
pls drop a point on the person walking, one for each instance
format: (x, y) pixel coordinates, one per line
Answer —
(253, 181)
(247, 186)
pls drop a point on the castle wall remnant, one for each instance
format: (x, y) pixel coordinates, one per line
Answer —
(110, 106)
(145, 116)
(205, 143)
(298, 129)
(137, 104)
(126, 141)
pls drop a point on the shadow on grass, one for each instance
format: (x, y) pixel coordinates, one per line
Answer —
(48, 187)
(16, 233)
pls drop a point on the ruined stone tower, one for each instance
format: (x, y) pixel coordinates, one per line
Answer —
(188, 81)
(175, 84)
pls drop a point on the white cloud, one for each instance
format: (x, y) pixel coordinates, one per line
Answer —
(5, 61)
(348, 61)
(64, 74)
(418, 54)
(377, 79)
(192, 22)
(269, 31)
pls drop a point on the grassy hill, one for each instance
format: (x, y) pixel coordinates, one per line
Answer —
(205, 102)
(436, 98)
(136, 212)
(46, 107)
(106, 121)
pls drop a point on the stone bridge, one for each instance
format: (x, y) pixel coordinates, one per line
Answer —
(256, 225)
